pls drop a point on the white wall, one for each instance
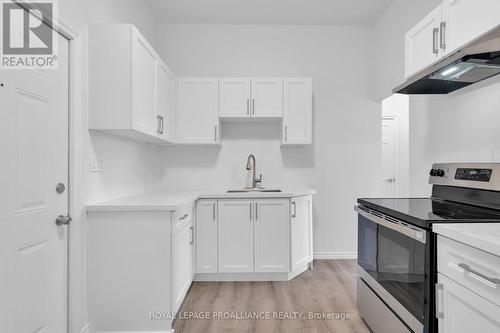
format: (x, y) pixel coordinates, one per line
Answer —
(344, 161)
(127, 164)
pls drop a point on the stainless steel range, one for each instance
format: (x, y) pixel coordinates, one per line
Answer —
(397, 249)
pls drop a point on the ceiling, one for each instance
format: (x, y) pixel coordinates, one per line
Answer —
(308, 12)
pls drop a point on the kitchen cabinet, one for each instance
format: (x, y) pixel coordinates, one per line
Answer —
(463, 311)
(466, 20)
(251, 97)
(272, 235)
(126, 84)
(449, 27)
(182, 265)
(206, 236)
(165, 102)
(297, 115)
(301, 231)
(422, 43)
(466, 292)
(235, 236)
(196, 114)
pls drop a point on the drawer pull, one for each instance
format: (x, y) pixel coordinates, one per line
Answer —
(439, 300)
(183, 217)
(469, 270)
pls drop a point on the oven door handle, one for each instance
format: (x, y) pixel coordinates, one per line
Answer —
(392, 223)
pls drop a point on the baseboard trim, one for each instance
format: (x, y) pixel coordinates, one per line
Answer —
(335, 255)
(87, 328)
(171, 331)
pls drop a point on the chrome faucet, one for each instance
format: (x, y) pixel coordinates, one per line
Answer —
(251, 165)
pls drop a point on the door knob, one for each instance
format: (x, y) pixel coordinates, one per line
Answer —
(63, 220)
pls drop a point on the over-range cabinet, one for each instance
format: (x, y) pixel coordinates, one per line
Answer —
(397, 250)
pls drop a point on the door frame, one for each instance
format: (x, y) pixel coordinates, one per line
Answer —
(394, 118)
(76, 291)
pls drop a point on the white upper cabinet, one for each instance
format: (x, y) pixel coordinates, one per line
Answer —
(196, 114)
(234, 97)
(267, 97)
(466, 20)
(297, 115)
(448, 28)
(272, 235)
(124, 83)
(246, 97)
(165, 101)
(422, 43)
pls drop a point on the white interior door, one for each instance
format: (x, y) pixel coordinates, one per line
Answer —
(34, 150)
(389, 157)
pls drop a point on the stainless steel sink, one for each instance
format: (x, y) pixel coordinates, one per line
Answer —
(253, 190)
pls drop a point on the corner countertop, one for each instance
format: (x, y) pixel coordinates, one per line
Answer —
(173, 200)
(483, 236)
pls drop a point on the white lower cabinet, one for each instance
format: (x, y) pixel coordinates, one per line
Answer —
(182, 265)
(301, 231)
(206, 236)
(235, 236)
(241, 236)
(467, 298)
(272, 235)
(464, 311)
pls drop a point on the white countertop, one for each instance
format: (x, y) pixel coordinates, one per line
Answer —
(172, 200)
(484, 236)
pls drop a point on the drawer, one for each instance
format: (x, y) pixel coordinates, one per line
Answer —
(182, 217)
(472, 268)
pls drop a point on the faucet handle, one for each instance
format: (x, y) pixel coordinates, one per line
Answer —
(258, 181)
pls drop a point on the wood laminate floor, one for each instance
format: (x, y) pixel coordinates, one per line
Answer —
(329, 289)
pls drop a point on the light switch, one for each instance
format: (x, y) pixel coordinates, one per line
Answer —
(96, 164)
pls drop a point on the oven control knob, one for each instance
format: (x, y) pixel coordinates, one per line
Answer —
(433, 172)
(440, 173)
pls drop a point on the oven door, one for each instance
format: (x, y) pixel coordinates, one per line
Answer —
(391, 260)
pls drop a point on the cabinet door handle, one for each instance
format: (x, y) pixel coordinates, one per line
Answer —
(248, 106)
(439, 294)
(250, 211)
(442, 35)
(469, 270)
(191, 238)
(183, 217)
(215, 133)
(286, 133)
(256, 211)
(158, 124)
(253, 106)
(294, 204)
(161, 122)
(435, 33)
(213, 211)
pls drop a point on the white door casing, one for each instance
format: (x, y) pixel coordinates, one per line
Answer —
(389, 157)
(33, 249)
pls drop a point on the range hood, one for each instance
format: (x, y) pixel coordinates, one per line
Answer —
(475, 62)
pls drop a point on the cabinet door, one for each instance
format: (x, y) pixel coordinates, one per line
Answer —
(272, 235)
(143, 85)
(196, 115)
(297, 116)
(234, 97)
(422, 43)
(267, 97)
(468, 19)
(182, 269)
(206, 236)
(301, 231)
(165, 101)
(463, 311)
(235, 236)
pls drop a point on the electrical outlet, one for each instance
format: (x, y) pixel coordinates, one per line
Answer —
(96, 164)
